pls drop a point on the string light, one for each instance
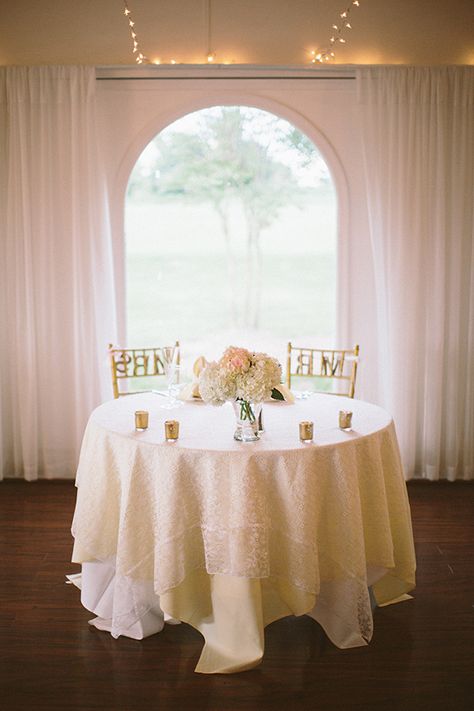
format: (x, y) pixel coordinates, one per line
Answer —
(140, 58)
(210, 54)
(320, 55)
(327, 54)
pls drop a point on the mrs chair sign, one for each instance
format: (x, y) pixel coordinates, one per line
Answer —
(140, 366)
(333, 371)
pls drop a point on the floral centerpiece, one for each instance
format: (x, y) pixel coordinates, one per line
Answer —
(244, 378)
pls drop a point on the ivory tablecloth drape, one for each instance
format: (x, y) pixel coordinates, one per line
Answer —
(230, 536)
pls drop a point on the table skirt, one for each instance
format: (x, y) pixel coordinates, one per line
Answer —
(230, 612)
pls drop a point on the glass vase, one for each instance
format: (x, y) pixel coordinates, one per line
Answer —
(247, 416)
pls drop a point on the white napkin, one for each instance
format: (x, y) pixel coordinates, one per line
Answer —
(191, 390)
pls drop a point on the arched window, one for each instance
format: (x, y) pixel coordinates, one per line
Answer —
(230, 224)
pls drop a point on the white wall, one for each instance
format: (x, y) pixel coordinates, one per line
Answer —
(271, 32)
(131, 112)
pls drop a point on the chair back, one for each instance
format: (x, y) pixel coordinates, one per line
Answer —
(137, 365)
(334, 370)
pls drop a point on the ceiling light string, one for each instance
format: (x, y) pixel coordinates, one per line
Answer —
(211, 55)
(327, 54)
(140, 58)
(320, 56)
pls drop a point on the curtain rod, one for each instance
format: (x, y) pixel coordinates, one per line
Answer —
(236, 72)
(226, 78)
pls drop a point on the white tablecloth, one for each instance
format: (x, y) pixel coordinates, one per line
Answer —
(230, 536)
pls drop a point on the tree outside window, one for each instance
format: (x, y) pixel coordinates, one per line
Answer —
(230, 236)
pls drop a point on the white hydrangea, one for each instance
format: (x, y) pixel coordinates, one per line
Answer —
(239, 375)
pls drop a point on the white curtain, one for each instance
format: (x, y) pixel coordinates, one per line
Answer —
(57, 306)
(418, 135)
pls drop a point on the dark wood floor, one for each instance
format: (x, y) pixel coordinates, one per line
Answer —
(421, 656)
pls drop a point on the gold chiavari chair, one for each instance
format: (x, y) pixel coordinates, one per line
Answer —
(334, 370)
(137, 364)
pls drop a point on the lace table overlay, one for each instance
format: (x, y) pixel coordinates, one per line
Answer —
(332, 515)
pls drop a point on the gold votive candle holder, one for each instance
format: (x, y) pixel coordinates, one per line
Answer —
(171, 430)
(141, 420)
(345, 419)
(306, 431)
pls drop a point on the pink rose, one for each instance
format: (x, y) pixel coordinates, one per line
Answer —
(236, 359)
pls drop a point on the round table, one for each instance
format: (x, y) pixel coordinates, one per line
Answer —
(229, 536)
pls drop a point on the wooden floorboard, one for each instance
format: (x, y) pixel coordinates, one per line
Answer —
(421, 656)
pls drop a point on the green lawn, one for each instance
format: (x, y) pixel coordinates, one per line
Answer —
(179, 295)
(177, 274)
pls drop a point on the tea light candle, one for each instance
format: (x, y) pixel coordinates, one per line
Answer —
(306, 431)
(345, 419)
(171, 430)
(141, 420)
